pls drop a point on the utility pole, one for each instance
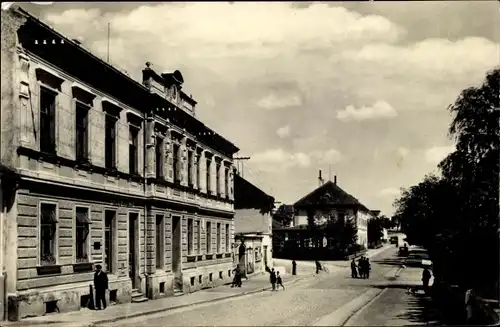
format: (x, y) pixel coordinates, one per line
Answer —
(241, 159)
(109, 27)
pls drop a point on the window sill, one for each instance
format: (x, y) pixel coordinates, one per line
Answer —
(83, 267)
(48, 269)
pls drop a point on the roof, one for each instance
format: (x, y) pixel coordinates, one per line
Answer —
(329, 194)
(107, 68)
(296, 228)
(249, 196)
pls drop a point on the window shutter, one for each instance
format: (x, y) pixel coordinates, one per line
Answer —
(52, 115)
(182, 163)
(169, 154)
(203, 173)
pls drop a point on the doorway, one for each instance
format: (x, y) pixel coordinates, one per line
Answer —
(265, 255)
(133, 227)
(176, 246)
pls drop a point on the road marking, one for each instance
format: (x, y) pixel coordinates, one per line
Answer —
(340, 316)
(357, 313)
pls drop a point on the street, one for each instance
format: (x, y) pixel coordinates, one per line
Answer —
(302, 304)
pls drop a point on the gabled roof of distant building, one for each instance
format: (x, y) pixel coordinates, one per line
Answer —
(329, 194)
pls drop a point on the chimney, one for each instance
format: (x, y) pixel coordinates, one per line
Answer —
(320, 179)
(335, 179)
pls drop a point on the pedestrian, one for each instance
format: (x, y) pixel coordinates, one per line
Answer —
(100, 285)
(237, 277)
(361, 267)
(294, 268)
(426, 277)
(354, 269)
(318, 267)
(367, 267)
(272, 279)
(279, 282)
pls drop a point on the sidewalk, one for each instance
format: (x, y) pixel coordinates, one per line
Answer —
(86, 317)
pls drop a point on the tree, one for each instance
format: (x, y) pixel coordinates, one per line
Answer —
(455, 216)
(375, 229)
(284, 215)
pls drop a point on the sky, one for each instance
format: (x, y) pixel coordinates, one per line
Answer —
(360, 90)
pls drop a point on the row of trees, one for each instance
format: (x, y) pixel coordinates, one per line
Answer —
(455, 214)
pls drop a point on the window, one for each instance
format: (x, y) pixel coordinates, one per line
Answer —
(226, 181)
(132, 149)
(209, 237)
(159, 157)
(190, 236)
(209, 187)
(190, 168)
(218, 239)
(227, 239)
(217, 178)
(82, 234)
(198, 236)
(198, 171)
(109, 231)
(48, 231)
(175, 166)
(47, 120)
(160, 241)
(110, 141)
(81, 128)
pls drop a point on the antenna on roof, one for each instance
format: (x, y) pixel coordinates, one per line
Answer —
(109, 28)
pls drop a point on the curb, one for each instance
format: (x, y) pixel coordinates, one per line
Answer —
(340, 316)
(139, 314)
(366, 305)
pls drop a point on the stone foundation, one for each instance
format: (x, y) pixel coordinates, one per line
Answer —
(154, 282)
(32, 302)
(223, 270)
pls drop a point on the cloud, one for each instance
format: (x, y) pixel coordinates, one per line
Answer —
(280, 160)
(380, 109)
(283, 132)
(272, 102)
(390, 192)
(435, 154)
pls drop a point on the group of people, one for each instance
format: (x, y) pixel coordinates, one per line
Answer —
(275, 279)
(362, 269)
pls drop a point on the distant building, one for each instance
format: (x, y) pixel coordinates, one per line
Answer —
(252, 226)
(326, 202)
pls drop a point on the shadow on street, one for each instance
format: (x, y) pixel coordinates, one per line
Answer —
(421, 310)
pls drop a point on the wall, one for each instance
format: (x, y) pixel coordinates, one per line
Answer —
(68, 286)
(252, 221)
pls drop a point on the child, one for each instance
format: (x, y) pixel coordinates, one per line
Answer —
(279, 282)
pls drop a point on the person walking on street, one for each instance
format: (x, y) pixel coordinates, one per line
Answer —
(318, 267)
(237, 277)
(367, 267)
(272, 279)
(354, 269)
(426, 277)
(279, 282)
(361, 267)
(100, 285)
(294, 268)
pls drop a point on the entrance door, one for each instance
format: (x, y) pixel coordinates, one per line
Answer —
(265, 255)
(132, 255)
(176, 246)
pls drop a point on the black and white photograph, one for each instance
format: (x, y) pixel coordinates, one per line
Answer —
(250, 163)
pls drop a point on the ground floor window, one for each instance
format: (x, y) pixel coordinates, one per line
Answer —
(82, 234)
(48, 234)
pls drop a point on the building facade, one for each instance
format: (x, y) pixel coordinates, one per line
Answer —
(252, 226)
(107, 171)
(327, 203)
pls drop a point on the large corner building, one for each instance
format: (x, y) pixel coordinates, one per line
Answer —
(100, 169)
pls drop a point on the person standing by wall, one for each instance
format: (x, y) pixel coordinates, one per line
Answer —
(294, 268)
(100, 285)
(272, 279)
